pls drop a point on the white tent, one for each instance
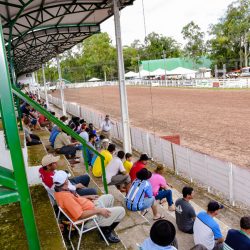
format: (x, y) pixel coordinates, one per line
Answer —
(182, 71)
(131, 74)
(144, 73)
(159, 72)
(94, 79)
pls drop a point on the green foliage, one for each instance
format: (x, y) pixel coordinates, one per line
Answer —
(194, 48)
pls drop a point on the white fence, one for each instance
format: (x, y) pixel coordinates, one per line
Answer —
(194, 83)
(222, 177)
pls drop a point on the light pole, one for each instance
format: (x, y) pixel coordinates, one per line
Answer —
(121, 74)
(45, 88)
(164, 57)
(138, 61)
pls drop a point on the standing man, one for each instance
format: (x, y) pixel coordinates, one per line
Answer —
(184, 211)
(206, 230)
(106, 126)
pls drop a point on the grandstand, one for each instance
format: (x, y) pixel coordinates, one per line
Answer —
(34, 32)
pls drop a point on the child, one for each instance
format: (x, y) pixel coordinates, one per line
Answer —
(128, 162)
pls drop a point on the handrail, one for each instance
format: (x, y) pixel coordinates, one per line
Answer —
(65, 128)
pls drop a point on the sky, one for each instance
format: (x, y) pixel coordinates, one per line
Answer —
(166, 17)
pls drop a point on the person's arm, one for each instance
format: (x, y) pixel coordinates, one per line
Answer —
(97, 211)
(217, 234)
(149, 191)
(192, 214)
(122, 170)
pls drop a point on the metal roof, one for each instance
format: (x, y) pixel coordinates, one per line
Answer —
(37, 30)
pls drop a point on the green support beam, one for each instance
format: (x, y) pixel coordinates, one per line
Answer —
(11, 129)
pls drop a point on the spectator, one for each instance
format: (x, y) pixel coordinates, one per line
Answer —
(104, 143)
(206, 230)
(63, 145)
(64, 119)
(106, 126)
(128, 164)
(140, 196)
(162, 237)
(44, 122)
(108, 216)
(91, 129)
(184, 212)
(161, 190)
(85, 134)
(90, 153)
(108, 155)
(53, 134)
(31, 139)
(116, 173)
(78, 184)
(140, 164)
(239, 239)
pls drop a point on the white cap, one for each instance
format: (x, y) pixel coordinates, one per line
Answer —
(60, 177)
(48, 159)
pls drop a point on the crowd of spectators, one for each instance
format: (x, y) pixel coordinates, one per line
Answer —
(143, 189)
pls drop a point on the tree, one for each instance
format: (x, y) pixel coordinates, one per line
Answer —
(194, 47)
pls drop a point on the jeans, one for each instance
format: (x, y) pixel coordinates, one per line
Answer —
(67, 150)
(165, 194)
(84, 180)
(35, 140)
(147, 203)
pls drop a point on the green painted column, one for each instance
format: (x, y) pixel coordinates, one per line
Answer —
(11, 129)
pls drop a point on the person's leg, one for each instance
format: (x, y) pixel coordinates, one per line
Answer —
(68, 150)
(86, 191)
(105, 201)
(83, 179)
(33, 142)
(165, 194)
(36, 137)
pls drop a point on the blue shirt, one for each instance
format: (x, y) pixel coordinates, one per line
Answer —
(148, 244)
(237, 240)
(53, 135)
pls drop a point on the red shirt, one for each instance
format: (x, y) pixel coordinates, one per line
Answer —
(136, 168)
(46, 177)
(42, 119)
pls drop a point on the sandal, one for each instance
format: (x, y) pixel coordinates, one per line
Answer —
(159, 218)
(143, 213)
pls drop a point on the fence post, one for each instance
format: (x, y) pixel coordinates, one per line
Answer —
(189, 165)
(231, 190)
(206, 167)
(174, 159)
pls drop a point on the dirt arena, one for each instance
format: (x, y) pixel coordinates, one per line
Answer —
(215, 122)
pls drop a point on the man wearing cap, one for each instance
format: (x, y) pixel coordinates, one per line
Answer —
(141, 163)
(106, 126)
(162, 237)
(76, 207)
(206, 230)
(78, 183)
(140, 196)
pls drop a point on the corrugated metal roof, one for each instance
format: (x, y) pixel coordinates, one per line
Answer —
(36, 30)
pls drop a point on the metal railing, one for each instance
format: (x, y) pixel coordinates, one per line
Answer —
(65, 128)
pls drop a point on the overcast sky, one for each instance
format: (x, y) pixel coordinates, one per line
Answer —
(165, 17)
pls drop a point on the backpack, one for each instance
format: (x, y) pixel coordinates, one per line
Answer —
(135, 196)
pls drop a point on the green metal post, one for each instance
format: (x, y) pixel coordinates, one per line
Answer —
(85, 157)
(104, 177)
(3, 124)
(8, 112)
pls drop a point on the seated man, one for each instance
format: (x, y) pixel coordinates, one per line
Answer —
(184, 212)
(162, 237)
(206, 230)
(53, 134)
(140, 196)
(116, 173)
(31, 139)
(108, 154)
(77, 208)
(91, 143)
(239, 239)
(63, 145)
(141, 163)
(78, 183)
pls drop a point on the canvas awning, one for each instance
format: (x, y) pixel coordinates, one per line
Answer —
(131, 74)
(181, 71)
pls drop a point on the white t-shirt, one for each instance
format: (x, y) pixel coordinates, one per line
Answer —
(113, 168)
(85, 136)
(106, 125)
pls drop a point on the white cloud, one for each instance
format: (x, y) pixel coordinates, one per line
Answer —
(166, 17)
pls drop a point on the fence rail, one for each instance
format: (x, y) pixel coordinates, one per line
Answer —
(220, 176)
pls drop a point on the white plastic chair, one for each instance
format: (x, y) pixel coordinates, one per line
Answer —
(50, 193)
(79, 226)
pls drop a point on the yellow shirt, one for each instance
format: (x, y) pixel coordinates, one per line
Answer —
(128, 165)
(97, 167)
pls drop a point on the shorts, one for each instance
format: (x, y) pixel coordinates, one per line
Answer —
(147, 203)
(120, 179)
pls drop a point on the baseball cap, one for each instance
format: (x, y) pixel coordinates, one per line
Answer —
(48, 159)
(214, 206)
(144, 157)
(60, 177)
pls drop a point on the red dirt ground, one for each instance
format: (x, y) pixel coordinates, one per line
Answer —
(215, 122)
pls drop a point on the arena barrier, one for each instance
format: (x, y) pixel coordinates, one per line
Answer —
(219, 177)
(193, 83)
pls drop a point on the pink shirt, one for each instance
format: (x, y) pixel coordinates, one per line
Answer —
(157, 181)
